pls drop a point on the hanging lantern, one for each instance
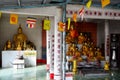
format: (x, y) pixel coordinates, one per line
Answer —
(61, 26)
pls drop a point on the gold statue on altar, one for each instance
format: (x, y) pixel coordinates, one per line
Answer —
(106, 66)
(19, 42)
(68, 38)
(19, 38)
(81, 38)
(8, 45)
(91, 54)
(98, 54)
(85, 49)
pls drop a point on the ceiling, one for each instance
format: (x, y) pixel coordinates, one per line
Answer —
(97, 3)
(10, 4)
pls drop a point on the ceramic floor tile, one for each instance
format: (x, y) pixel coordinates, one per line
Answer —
(112, 75)
(39, 73)
(31, 73)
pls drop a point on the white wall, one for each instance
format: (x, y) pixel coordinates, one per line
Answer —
(100, 33)
(114, 28)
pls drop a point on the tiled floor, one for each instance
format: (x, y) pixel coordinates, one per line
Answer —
(39, 73)
(31, 73)
(111, 75)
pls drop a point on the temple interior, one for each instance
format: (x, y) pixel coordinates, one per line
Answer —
(76, 50)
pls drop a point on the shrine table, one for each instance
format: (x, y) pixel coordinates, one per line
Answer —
(8, 58)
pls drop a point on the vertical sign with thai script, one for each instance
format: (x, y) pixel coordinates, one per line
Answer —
(52, 53)
(48, 51)
(57, 57)
(52, 57)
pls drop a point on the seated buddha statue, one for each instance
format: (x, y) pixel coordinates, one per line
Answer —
(85, 49)
(91, 54)
(19, 38)
(8, 45)
(81, 38)
(18, 46)
(98, 54)
(68, 38)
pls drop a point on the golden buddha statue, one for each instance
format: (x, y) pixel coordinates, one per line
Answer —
(77, 53)
(85, 49)
(8, 45)
(68, 38)
(69, 53)
(92, 45)
(81, 38)
(106, 66)
(19, 38)
(91, 54)
(19, 47)
(98, 54)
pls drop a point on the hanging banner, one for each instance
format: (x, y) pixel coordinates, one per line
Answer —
(75, 17)
(105, 3)
(0, 14)
(81, 13)
(89, 3)
(13, 18)
(31, 22)
(61, 26)
(69, 20)
(46, 25)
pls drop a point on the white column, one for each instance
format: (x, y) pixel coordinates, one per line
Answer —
(107, 41)
(48, 41)
(52, 43)
(58, 53)
(54, 51)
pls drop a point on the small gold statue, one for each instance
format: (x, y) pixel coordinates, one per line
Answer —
(85, 49)
(68, 38)
(106, 66)
(91, 54)
(71, 49)
(98, 54)
(19, 46)
(81, 38)
(77, 53)
(8, 45)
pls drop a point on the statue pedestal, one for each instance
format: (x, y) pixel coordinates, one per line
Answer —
(8, 58)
